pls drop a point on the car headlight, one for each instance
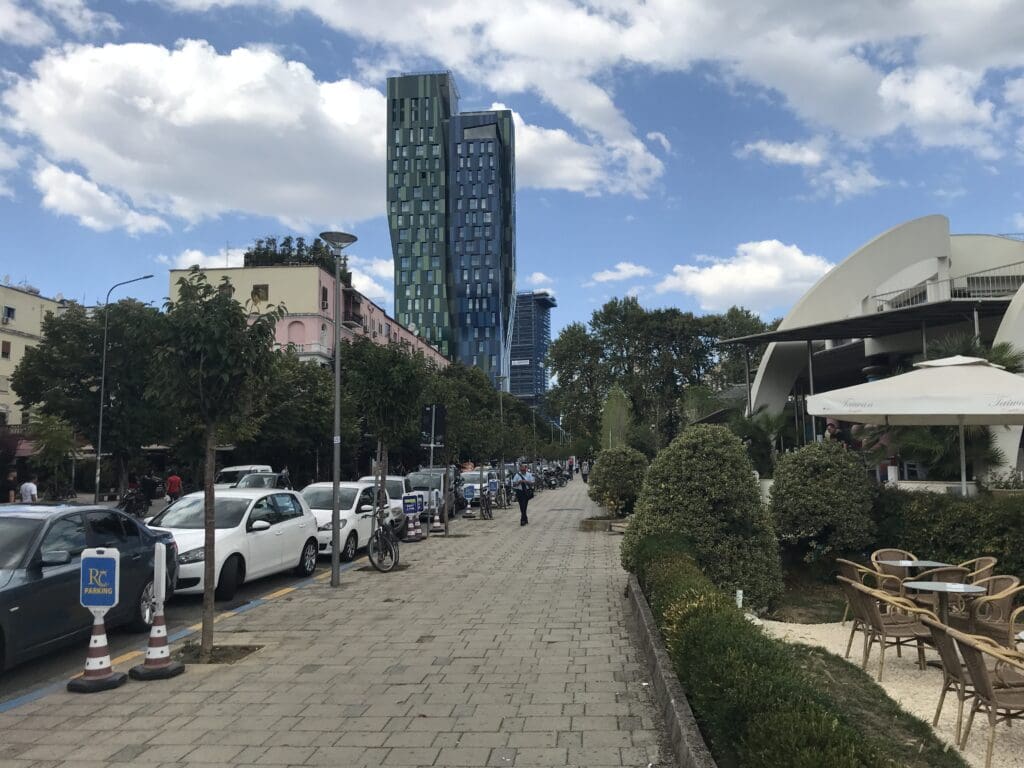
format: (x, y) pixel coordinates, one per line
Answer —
(329, 526)
(192, 556)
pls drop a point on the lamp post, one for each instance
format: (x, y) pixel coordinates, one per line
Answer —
(337, 242)
(501, 428)
(103, 380)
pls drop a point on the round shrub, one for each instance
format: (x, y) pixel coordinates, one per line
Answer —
(821, 502)
(701, 488)
(616, 479)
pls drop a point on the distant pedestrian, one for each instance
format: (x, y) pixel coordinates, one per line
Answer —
(286, 477)
(584, 469)
(9, 488)
(30, 491)
(569, 468)
(522, 484)
(174, 486)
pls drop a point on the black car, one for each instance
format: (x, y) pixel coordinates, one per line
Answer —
(40, 557)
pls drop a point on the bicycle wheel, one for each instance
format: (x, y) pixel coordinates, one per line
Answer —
(382, 552)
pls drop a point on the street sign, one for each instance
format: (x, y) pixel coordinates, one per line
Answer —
(410, 504)
(469, 492)
(492, 485)
(420, 504)
(101, 574)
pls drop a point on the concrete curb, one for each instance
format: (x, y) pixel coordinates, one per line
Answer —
(685, 735)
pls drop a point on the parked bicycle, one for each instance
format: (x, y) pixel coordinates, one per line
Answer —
(382, 547)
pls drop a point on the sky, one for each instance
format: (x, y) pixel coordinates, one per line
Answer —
(691, 153)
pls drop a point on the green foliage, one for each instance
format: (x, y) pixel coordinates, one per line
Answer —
(937, 447)
(616, 478)
(54, 443)
(821, 502)
(702, 488)
(616, 419)
(969, 345)
(765, 434)
(762, 702)
(953, 529)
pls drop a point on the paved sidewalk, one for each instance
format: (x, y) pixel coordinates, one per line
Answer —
(498, 646)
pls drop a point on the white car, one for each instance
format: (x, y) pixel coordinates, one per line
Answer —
(356, 514)
(260, 531)
(396, 487)
(229, 476)
(475, 482)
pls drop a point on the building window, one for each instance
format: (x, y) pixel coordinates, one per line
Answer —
(5, 350)
(9, 313)
(260, 292)
(403, 234)
(323, 297)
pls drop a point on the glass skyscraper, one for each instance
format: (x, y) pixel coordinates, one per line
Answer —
(530, 341)
(451, 211)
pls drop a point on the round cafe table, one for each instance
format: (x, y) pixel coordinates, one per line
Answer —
(944, 589)
(914, 563)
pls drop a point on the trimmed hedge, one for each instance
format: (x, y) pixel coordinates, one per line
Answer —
(702, 487)
(821, 502)
(616, 479)
(762, 703)
(950, 528)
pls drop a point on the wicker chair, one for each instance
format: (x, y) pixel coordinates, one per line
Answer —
(980, 568)
(951, 574)
(992, 614)
(861, 573)
(1000, 703)
(892, 554)
(955, 676)
(888, 630)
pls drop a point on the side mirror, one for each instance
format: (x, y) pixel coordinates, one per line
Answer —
(259, 525)
(366, 508)
(56, 557)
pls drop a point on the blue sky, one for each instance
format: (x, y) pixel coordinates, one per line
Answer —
(693, 153)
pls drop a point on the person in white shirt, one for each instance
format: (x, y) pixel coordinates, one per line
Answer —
(29, 491)
(522, 485)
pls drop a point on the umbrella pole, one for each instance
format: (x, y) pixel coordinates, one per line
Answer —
(963, 462)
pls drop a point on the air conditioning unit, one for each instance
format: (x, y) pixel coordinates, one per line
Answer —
(323, 305)
(5, 320)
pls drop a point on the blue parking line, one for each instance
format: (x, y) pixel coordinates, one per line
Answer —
(38, 693)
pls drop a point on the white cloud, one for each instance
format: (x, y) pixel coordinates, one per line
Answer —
(1018, 222)
(192, 134)
(624, 270)
(765, 275)
(78, 18)
(68, 193)
(191, 257)
(383, 269)
(845, 181)
(1013, 94)
(809, 154)
(20, 26)
(538, 278)
(31, 27)
(10, 159)
(660, 138)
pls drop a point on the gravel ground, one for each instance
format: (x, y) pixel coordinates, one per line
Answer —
(914, 690)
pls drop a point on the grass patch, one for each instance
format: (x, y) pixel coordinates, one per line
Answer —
(806, 600)
(906, 740)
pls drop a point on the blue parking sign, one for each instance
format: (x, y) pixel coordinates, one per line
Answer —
(492, 485)
(469, 492)
(100, 579)
(410, 505)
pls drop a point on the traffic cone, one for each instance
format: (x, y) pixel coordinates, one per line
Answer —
(158, 664)
(99, 674)
(435, 522)
(419, 528)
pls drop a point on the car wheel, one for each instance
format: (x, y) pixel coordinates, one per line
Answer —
(231, 575)
(307, 559)
(348, 553)
(142, 612)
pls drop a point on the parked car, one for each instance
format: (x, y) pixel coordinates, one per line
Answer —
(264, 480)
(40, 574)
(474, 482)
(229, 476)
(356, 514)
(259, 532)
(396, 487)
(427, 484)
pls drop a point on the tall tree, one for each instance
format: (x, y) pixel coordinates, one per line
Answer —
(616, 419)
(54, 443)
(211, 368)
(61, 376)
(575, 362)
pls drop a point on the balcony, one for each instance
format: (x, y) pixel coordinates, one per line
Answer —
(996, 283)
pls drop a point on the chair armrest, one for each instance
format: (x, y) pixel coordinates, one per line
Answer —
(883, 578)
(905, 604)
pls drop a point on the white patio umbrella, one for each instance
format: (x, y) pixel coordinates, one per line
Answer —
(954, 390)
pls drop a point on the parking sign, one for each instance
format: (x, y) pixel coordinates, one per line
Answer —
(410, 505)
(101, 573)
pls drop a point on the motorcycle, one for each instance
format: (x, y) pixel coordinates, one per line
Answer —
(134, 503)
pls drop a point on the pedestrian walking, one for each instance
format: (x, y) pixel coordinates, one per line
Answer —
(174, 486)
(584, 469)
(30, 491)
(568, 467)
(522, 484)
(9, 488)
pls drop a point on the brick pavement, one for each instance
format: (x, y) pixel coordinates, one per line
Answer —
(498, 646)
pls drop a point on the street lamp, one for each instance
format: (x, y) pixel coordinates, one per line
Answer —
(337, 242)
(103, 380)
(501, 425)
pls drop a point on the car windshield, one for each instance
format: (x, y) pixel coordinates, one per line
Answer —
(16, 534)
(323, 498)
(257, 481)
(188, 513)
(231, 475)
(474, 478)
(423, 481)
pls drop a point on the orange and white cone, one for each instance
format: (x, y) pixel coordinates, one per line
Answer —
(435, 522)
(417, 531)
(99, 674)
(158, 664)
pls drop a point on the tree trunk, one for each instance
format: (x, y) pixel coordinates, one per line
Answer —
(209, 529)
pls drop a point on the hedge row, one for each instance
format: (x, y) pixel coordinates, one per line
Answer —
(762, 703)
(953, 529)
